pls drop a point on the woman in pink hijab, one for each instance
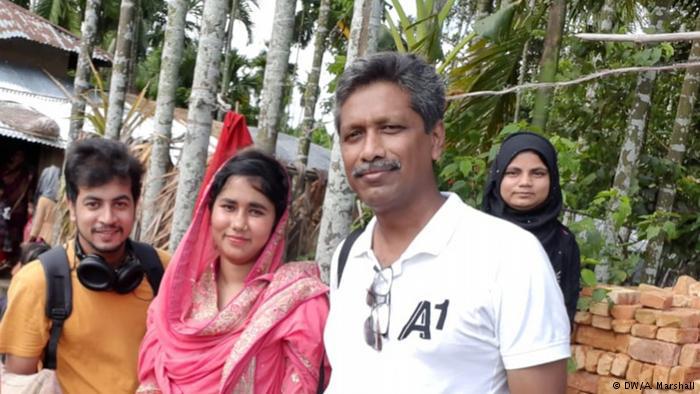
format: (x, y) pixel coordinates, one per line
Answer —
(229, 316)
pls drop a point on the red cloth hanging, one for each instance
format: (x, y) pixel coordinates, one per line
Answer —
(234, 137)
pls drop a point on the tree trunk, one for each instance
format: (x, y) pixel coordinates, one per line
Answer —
(159, 164)
(339, 199)
(134, 51)
(120, 67)
(521, 73)
(200, 115)
(374, 26)
(275, 75)
(228, 56)
(548, 63)
(632, 145)
(311, 94)
(675, 154)
(81, 83)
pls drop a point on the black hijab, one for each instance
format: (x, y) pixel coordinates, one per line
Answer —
(542, 221)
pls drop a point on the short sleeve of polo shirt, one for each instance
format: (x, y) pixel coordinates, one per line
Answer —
(532, 323)
(24, 329)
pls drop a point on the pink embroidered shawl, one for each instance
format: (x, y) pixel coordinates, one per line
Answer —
(267, 339)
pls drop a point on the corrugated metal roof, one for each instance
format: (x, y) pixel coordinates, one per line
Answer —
(18, 22)
(7, 132)
(21, 79)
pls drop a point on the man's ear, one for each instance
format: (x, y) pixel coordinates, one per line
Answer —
(71, 209)
(437, 140)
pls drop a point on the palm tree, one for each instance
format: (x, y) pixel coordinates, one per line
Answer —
(548, 63)
(676, 151)
(81, 82)
(240, 10)
(339, 198)
(120, 67)
(199, 118)
(311, 94)
(165, 106)
(275, 75)
(631, 147)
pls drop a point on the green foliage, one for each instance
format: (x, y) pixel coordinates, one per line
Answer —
(21, 3)
(321, 137)
(65, 13)
(424, 35)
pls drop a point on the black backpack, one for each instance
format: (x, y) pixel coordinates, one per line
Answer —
(59, 290)
(345, 251)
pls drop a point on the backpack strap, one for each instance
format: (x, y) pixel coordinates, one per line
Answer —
(59, 298)
(345, 251)
(148, 256)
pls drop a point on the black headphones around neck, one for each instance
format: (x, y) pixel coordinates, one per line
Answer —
(96, 274)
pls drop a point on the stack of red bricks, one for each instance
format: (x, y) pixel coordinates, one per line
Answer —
(638, 340)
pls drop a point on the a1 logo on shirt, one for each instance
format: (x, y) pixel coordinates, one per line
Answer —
(420, 319)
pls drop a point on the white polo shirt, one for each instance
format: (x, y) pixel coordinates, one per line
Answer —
(472, 296)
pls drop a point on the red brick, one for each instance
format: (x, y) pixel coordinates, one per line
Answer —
(602, 322)
(583, 381)
(583, 318)
(623, 326)
(690, 355)
(624, 312)
(645, 316)
(654, 352)
(622, 343)
(619, 365)
(601, 339)
(605, 364)
(606, 385)
(661, 374)
(600, 308)
(634, 369)
(656, 299)
(645, 287)
(622, 296)
(647, 374)
(586, 292)
(681, 301)
(592, 357)
(682, 284)
(644, 331)
(579, 355)
(694, 289)
(678, 335)
(683, 374)
(681, 318)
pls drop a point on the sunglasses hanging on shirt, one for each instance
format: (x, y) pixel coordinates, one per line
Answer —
(379, 300)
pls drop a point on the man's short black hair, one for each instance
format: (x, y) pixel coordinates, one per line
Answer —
(410, 72)
(96, 162)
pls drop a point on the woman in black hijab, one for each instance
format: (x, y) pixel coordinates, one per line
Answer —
(523, 188)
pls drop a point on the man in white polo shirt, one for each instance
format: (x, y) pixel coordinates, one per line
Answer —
(436, 297)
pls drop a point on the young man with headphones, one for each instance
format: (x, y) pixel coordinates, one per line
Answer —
(111, 286)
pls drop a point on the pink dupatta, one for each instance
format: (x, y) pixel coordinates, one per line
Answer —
(190, 349)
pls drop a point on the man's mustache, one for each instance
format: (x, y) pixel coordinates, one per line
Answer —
(106, 228)
(376, 165)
